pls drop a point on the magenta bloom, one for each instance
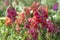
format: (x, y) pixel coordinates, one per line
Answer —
(32, 31)
(55, 7)
(50, 26)
(34, 34)
(11, 13)
(36, 13)
(27, 25)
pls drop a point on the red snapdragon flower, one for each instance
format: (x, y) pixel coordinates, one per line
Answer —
(37, 17)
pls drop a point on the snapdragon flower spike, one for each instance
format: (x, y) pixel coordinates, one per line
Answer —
(37, 17)
(55, 7)
(44, 11)
(27, 9)
(22, 17)
(34, 6)
(11, 13)
(50, 26)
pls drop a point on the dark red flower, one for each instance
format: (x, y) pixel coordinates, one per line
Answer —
(11, 13)
(44, 11)
(27, 25)
(37, 17)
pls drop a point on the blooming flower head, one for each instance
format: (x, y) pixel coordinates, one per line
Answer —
(27, 9)
(11, 13)
(55, 7)
(22, 16)
(34, 6)
(32, 31)
(34, 24)
(37, 17)
(44, 11)
(27, 25)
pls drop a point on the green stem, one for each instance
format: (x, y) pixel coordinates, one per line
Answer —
(48, 36)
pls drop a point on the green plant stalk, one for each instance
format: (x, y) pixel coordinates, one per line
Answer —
(48, 36)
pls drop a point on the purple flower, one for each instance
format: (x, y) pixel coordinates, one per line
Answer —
(55, 7)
